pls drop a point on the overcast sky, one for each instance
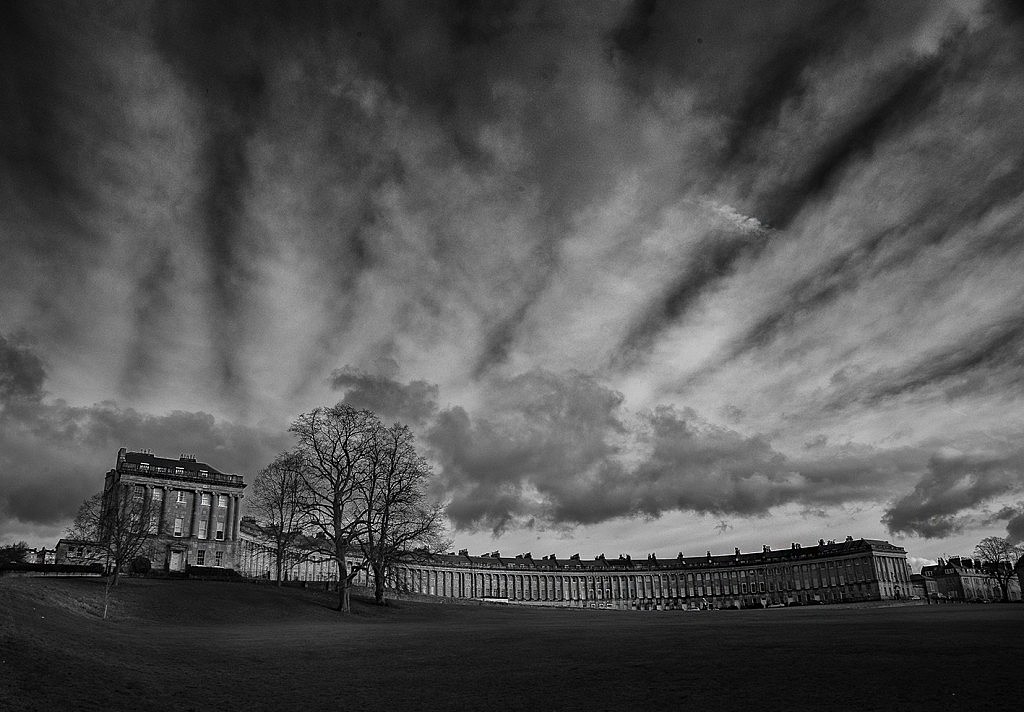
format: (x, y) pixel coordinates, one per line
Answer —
(643, 277)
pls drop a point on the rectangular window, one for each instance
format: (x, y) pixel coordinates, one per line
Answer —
(139, 492)
(154, 523)
(222, 500)
(158, 494)
(144, 466)
(178, 522)
(218, 558)
(200, 557)
(220, 531)
(181, 496)
(205, 498)
(202, 528)
(179, 470)
(203, 473)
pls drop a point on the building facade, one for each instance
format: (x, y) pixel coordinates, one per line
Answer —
(965, 579)
(257, 557)
(79, 551)
(852, 570)
(923, 586)
(194, 509)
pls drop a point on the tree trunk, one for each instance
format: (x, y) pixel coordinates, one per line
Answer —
(280, 569)
(378, 586)
(106, 598)
(344, 604)
(344, 601)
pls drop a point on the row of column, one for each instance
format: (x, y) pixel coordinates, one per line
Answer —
(231, 520)
(257, 560)
(541, 587)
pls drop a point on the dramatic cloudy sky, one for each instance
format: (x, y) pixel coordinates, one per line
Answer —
(644, 277)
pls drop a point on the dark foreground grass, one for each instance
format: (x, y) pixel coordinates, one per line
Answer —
(177, 645)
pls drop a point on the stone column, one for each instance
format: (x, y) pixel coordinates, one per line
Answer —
(238, 517)
(163, 509)
(147, 506)
(229, 519)
(211, 528)
(194, 528)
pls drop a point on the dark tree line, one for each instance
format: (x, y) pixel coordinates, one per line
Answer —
(351, 487)
(15, 553)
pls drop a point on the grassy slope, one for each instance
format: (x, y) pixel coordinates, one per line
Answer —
(174, 645)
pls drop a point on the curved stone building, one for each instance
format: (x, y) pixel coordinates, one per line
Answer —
(852, 570)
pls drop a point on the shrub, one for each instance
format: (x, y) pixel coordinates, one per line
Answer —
(141, 565)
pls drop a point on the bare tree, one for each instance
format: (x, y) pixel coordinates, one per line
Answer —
(334, 452)
(999, 560)
(119, 521)
(277, 504)
(400, 516)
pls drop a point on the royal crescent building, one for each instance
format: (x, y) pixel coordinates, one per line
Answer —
(194, 509)
(831, 572)
(195, 520)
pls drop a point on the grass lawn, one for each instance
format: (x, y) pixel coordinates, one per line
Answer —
(188, 645)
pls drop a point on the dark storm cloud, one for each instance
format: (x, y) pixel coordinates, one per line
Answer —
(53, 455)
(989, 358)
(152, 297)
(212, 205)
(21, 374)
(500, 339)
(412, 403)
(1015, 528)
(1014, 518)
(900, 102)
(563, 450)
(783, 76)
(714, 258)
(943, 501)
(886, 251)
(217, 51)
(36, 81)
(759, 143)
(550, 433)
